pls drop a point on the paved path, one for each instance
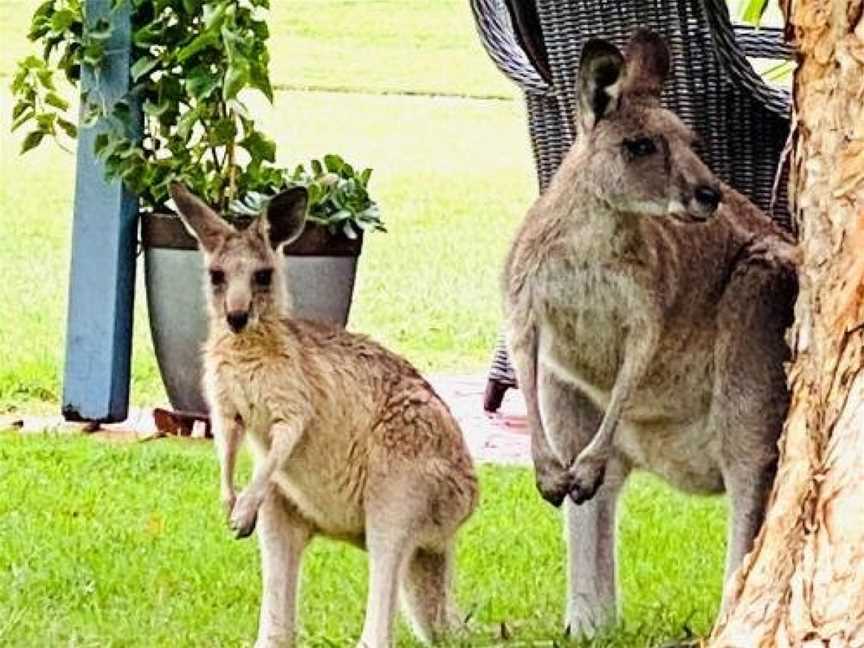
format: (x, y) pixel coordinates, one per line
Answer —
(499, 438)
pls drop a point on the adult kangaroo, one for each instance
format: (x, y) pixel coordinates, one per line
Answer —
(646, 304)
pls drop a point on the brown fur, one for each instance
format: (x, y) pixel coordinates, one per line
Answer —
(349, 441)
(646, 322)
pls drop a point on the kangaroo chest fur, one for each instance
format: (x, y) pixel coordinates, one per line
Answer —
(596, 293)
(594, 298)
(324, 476)
(364, 419)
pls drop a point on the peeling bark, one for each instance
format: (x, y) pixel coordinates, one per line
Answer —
(803, 583)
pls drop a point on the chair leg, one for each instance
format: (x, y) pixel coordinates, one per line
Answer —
(494, 394)
(171, 422)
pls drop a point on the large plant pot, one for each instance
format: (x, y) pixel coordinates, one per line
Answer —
(320, 271)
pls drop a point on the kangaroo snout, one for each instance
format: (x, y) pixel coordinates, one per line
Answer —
(237, 320)
(699, 192)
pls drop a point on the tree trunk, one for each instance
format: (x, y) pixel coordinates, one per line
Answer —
(803, 583)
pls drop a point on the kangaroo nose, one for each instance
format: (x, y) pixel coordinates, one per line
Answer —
(237, 320)
(708, 196)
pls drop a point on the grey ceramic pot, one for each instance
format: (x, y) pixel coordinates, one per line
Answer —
(320, 270)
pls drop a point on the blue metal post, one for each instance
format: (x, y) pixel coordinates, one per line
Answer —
(102, 276)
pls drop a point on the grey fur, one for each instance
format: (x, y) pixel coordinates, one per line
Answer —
(646, 324)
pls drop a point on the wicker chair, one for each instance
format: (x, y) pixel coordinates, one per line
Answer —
(743, 123)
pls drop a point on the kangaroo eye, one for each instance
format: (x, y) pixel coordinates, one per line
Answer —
(263, 278)
(217, 277)
(640, 147)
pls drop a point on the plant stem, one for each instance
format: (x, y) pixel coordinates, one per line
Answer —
(232, 170)
(215, 157)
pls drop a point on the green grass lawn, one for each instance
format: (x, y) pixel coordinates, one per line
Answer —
(124, 545)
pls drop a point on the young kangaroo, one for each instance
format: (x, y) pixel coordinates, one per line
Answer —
(647, 304)
(348, 440)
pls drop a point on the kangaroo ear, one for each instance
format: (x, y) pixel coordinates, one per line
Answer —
(202, 222)
(647, 63)
(285, 217)
(601, 70)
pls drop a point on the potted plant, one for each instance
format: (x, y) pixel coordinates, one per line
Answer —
(193, 61)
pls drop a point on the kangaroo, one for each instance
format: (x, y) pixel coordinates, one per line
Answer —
(348, 440)
(646, 307)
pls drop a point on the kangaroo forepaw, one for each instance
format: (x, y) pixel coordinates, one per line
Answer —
(776, 253)
(553, 485)
(244, 516)
(586, 477)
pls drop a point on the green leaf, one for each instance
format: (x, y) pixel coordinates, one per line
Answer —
(187, 122)
(23, 119)
(779, 71)
(146, 35)
(170, 89)
(260, 80)
(333, 163)
(315, 193)
(213, 17)
(53, 99)
(752, 11)
(235, 43)
(100, 143)
(43, 10)
(46, 122)
(200, 42)
(92, 114)
(222, 132)
(32, 62)
(93, 54)
(348, 230)
(142, 66)
(260, 30)
(366, 224)
(46, 78)
(68, 127)
(19, 81)
(32, 140)
(155, 110)
(259, 147)
(200, 83)
(19, 109)
(236, 78)
(63, 19)
(40, 23)
(122, 113)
